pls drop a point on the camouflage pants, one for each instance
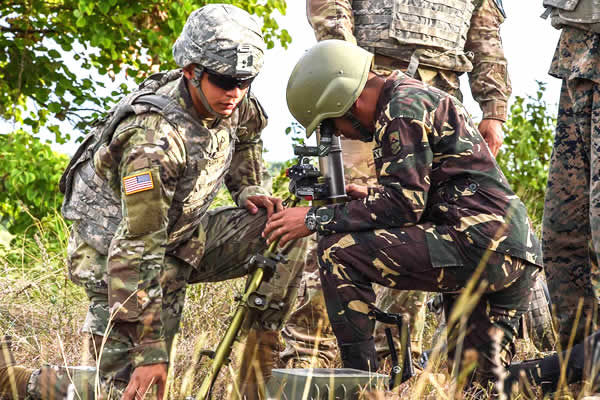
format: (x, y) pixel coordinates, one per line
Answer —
(571, 225)
(307, 334)
(228, 238)
(399, 259)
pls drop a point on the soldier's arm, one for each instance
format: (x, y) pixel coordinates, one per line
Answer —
(489, 80)
(244, 178)
(404, 168)
(331, 19)
(137, 252)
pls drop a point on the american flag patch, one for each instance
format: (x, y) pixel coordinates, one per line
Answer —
(138, 183)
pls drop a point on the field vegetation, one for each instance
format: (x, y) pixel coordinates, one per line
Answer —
(39, 307)
(43, 311)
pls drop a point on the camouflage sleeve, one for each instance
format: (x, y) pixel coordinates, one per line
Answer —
(245, 173)
(489, 80)
(331, 19)
(403, 168)
(148, 176)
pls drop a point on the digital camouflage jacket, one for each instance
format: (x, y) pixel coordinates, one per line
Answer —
(483, 56)
(577, 55)
(433, 166)
(143, 192)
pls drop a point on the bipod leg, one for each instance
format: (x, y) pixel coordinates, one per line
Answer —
(408, 370)
(224, 348)
(396, 369)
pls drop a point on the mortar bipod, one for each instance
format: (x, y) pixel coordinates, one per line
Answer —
(398, 374)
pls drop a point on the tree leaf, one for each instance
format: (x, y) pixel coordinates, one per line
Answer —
(54, 107)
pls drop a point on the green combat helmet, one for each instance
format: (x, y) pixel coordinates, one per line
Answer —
(222, 39)
(326, 81)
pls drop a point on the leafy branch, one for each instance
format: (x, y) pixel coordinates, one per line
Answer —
(57, 53)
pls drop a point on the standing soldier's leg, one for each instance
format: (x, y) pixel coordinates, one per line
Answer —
(232, 237)
(589, 119)
(566, 223)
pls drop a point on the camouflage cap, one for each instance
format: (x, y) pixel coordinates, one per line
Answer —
(222, 38)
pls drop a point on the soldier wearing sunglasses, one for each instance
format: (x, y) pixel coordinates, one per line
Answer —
(138, 192)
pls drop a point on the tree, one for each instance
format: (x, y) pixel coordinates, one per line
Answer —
(41, 38)
(29, 175)
(525, 154)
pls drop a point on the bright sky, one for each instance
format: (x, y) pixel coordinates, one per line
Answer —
(529, 44)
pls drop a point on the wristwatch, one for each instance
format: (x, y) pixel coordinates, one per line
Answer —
(311, 219)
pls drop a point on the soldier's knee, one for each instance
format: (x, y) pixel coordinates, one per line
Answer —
(326, 249)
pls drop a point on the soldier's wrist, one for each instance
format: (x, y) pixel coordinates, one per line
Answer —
(253, 190)
(152, 352)
(495, 109)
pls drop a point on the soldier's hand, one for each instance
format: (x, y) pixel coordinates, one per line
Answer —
(143, 378)
(357, 191)
(271, 204)
(286, 225)
(491, 130)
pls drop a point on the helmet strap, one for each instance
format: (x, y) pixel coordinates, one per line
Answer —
(365, 134)
(196, 81)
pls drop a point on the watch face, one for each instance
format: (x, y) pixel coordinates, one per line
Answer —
(311, 222)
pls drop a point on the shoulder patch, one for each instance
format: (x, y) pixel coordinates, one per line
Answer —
(138, 183)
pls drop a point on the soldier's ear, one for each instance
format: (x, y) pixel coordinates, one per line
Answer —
(188, 71)
(358, 105)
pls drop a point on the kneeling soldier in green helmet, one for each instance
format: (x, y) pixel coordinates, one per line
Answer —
(441, 216)
(138, 191)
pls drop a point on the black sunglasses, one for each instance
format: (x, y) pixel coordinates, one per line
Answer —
(227, 82)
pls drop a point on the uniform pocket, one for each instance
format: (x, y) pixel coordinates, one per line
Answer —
(86, 266)
(124, 260)
(443, 249)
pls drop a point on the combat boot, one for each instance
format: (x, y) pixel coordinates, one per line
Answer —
(258, 360)
(545, 372)
(524, 376)
(13, 379)
(359, 355)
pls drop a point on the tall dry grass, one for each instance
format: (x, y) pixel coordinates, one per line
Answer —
(43, 311)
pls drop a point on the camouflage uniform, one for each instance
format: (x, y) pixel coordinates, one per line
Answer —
(571, 224)
(135, 247)
(442, 211)
(483, 58)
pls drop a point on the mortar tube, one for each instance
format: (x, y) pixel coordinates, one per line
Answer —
(332, 166)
